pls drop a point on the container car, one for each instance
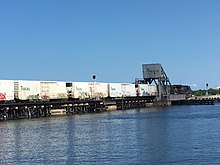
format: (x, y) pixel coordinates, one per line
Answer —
(128, 90)
(152, 89)
(114, 90)
(27, 90)
(78, 90)
(121, 90)
(146, 90)
(6, 90)
(98, 90)
(53, 90)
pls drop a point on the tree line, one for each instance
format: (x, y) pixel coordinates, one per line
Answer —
(202, 92)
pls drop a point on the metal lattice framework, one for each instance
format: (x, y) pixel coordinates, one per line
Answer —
(155, 73)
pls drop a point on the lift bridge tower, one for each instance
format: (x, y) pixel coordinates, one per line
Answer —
(154, 73)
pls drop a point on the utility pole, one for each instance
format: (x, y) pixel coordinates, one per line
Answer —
(207, 86)
(93, 85)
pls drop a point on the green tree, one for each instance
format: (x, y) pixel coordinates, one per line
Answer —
(202, 92)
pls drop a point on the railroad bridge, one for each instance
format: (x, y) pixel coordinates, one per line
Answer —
(166, 94)
(12, 110)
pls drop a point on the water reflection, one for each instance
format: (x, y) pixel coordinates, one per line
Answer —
(154, 135)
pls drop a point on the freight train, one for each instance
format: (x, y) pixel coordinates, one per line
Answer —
(25, 90)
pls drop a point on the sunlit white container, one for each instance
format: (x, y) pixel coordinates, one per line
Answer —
(128, 90)
(114, 90)
(142, 90)
(121, 90)
(146, 90)
(53, 90)
(6, 90)
(26, 90)
(152, 89)
(78, 90)
(98, 90)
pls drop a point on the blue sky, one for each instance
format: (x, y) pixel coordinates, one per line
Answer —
(70, 40)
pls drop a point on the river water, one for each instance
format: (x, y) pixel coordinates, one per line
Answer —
(169, 135)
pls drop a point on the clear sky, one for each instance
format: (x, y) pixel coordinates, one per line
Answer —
(70, 40)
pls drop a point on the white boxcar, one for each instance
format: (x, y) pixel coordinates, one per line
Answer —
(26, 90)
(152, 89)
(128, 90)
(53, 90)
(98, 90)
(79, 90)
(146, 89)
(143, 90)
(121, 89)
(114, 90)
(6, 90)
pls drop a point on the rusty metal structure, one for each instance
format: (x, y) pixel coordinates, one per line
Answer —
(154, 73)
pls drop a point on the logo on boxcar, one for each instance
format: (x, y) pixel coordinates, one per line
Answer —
(2, 96)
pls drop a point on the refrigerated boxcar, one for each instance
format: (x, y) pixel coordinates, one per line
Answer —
(121, 90)
(98, 90)
(78, 90)
(53, 90)
(26, 90)
(6, 90)
(146, 90)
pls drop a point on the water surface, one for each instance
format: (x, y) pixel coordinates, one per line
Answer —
(170, 135)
